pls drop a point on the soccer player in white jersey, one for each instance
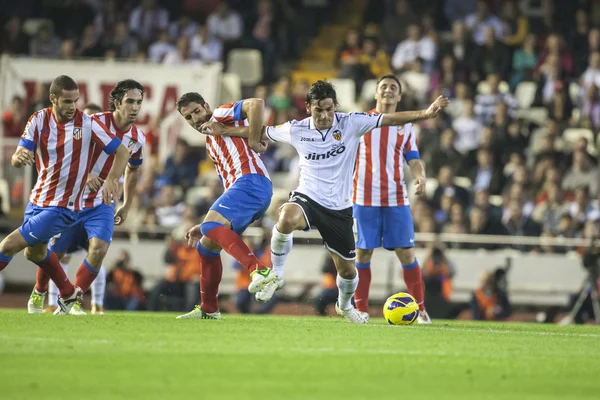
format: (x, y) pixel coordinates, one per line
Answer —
(247, 196)
(95, 223)
(60, 141)
(327, 142)
(381, 210)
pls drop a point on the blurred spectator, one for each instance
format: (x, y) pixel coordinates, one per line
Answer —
(513, 141)
(67, 50)
(413, 47)
(437, 277)
(490, 302)
(479, 21)
(14, 119)
(159, 49)
(125, 46)
(582, 173)
(107, 17)
(225, 24)
(169, 209)
(560, 57)
(524, 61)
(516, 26)
(45, 43)
(481, 224)
(243, 298)
(491, 57)
(14, 40)
(348, 58)
(123, 285)
(280, 100)
(148, 19)
(445, 153)
(460, 46)
(181, 168)
(468, 129)
(299, 99)
(591, 107)
(462, 94)
(204, 47)
(485, 104)
(329, 292)
(375, 60)
(180, 289)
(446, 76)
(40, 98)
(579, 41)
(591, 76)
(582, 209)
(481, 199)
(184, 26)
(90, 45)
(395, 22)
(487, 141)
(263, 37)
(181, 53)
(457, 10)
(521, 225)
(215, 190)
(486, 176)
(447, 187)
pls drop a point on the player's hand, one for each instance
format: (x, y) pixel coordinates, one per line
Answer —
(259, 147)
(121, 214)
(110, 191)
(437, 106)
(212, 128)
(94, 183)
(420, 183)
(23, 157)
(193, 236)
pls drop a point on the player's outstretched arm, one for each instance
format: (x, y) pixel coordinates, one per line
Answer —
(405, 117)
(254, 110)
(214, 128)
(417, 170)
(132, 173)
(22, 156)
(111, 185)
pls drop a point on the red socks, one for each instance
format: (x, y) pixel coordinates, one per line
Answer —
(414, 282)
(41, 281)
(51, 267)
(210, 278)
(85, 276)
(361, 296)
(233, 244)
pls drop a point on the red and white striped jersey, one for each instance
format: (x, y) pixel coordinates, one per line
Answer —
(232, 156)
(62, 154)
(101, 162)
(379, 172)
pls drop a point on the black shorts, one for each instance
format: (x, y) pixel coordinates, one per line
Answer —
(335, 226)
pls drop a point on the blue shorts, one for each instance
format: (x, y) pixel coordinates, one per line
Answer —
(97, 222)
(40, 224)
(245, 201)
(391, 227)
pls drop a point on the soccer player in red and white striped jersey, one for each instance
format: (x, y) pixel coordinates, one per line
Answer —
(380, 197)
(95, 223)
(247, 196)
(59, 141)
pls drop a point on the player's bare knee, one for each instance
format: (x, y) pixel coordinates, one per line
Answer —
(289, 221)
(406, 256)
(364, 255)
(209, 244)
(96, 252)
(346, 269)
(12, 244)
(35, 254)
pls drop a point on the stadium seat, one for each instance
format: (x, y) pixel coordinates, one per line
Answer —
(247, 64)
(496, 200)
(484, 88)
(346, 94)
(463, 181)
(525, 93)
(431, 186)
(231, 88)
(574, 91)
(538, 115)
(368, 90)
(571, 135)
(196, 193)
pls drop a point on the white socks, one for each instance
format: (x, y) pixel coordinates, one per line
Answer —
(281, 245)
(346, 289)
(99, 287)
(53, 290)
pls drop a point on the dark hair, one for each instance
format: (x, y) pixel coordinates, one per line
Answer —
(321, 90)
(95, 108)
(62, 82)
(393, 77)
(189, 97)
(120, 89)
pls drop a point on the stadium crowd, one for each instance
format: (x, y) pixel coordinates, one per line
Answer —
(517, 176)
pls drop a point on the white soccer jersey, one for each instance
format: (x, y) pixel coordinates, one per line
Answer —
(326, 157)
(101, 162)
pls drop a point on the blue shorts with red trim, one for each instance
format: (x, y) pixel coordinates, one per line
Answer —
(390, 227)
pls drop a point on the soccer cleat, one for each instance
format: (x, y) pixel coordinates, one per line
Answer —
(65, 305)
(97, 310)
(77, 309)
(264, 295)
(423, 318)
(198, 313)
(351, 314)
(35, 305)
(365, 315)
(260, 278)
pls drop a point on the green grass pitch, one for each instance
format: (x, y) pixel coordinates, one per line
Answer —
(153, 356)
